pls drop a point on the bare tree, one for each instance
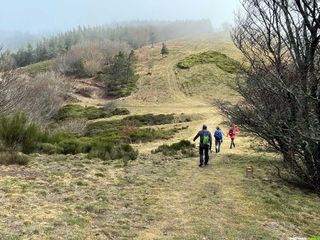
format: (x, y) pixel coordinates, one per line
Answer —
(44, 96)
(281, 88)
(39, 97)
(12, 92)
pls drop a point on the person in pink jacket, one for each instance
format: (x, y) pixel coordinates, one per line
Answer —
(232, 134)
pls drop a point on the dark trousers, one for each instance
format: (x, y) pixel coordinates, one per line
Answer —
(218, 145)
(204, 149)
(232, 144)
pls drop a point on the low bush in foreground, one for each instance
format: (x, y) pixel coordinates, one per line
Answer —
(17, 133)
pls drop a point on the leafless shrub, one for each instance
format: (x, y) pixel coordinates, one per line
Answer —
(45, 93)
(12, 92)
(74, 126)
(39, 97)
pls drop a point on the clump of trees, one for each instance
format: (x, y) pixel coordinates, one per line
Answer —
(281, 89)
(120, 78)
(86, 59)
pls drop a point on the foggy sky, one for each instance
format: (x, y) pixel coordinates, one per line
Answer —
(57, 15)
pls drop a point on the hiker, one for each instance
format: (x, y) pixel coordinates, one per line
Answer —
(205, 144)
(232, 133)
(218, 136)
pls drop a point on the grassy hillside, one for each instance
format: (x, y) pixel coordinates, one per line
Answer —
(158, 196)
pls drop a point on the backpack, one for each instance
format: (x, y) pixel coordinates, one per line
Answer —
(231, 132)
(206, 139)
(218, 134)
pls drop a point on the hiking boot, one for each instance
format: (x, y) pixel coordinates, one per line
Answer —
(200, 165)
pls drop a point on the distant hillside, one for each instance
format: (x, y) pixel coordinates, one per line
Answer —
(135, 34)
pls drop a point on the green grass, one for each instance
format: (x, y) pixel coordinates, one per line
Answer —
(222, 61)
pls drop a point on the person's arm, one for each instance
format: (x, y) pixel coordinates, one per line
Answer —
(195, 138)
(210, 139)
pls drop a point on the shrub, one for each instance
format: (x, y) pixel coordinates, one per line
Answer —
(49, 148)
(111, 151)
(43, 96)
(150, 134)
(71, 111)
(221, 60)
(184, 147)
(104, 128)
(75, 145)
(76, 111)
(39, 96)
(120, 111)
(18, 133)
(85, 92)
(13, 158)
(149, 119)
(69, 126)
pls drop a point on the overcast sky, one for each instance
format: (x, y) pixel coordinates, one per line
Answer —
(56, 15)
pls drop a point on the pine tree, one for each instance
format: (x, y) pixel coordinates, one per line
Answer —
(164, 50)
(121, 77)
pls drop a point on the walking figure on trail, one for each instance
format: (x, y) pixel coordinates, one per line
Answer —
(232, 133)
(218, 136)
(205, 144)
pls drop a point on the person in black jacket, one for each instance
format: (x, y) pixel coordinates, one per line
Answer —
(205, 144)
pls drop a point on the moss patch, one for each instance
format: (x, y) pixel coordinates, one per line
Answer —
(39, 67)
(222, 61)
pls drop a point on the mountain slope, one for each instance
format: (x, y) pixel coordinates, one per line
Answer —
(157, 196)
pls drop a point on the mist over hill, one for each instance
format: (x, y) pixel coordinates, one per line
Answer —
(15, 40)
(161, 31)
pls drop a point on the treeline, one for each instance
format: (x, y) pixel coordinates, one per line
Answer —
(135, 34)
